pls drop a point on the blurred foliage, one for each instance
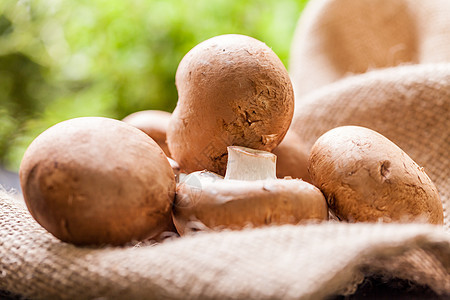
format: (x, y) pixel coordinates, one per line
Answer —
(65, 59)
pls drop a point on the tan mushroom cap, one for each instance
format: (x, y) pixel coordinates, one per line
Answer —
(97, 181)
(154, 123)
(367, 178)
(292, 157)
(233, 90)
(217, 203)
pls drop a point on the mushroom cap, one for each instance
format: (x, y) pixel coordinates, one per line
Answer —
(292, 157)
(205, 198)
(95, 180)
(233, 90)
(154, 123)
(367, 178)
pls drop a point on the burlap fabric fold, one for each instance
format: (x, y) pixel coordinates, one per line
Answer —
(287, 262)
(382, 64)
(408, 104)
(340, 38)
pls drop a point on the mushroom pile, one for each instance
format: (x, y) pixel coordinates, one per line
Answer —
(235, 105)
(209, 165)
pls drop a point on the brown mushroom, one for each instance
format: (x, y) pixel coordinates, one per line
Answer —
(292, 157)
(249, 195)
(367, 178)
(97, 181)
(233, 90)
(154, 123)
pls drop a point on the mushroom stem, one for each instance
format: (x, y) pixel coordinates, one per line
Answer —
(250, 164)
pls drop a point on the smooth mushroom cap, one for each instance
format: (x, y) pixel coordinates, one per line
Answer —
(292, 157)
(233, 90)
(154, 123)
(97, 181)
(212, 202)
(367, 178)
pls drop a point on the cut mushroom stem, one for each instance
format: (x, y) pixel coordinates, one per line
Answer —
(250, 164)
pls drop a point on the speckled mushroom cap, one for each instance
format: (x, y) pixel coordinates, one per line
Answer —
(233, 90)
(97, 181)
(205, 199)
(367, 178)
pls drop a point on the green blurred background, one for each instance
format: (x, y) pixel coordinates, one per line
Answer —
(65, 59)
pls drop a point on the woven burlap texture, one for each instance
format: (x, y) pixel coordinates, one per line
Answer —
(339, 38)
(408, 104)
(287, 262)
(382, 64)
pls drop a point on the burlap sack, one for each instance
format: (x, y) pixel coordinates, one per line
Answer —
(408, 104)
(382, 64)
(339, 38)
